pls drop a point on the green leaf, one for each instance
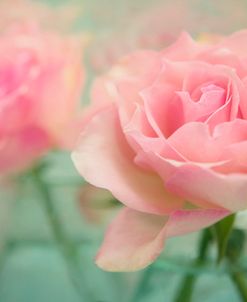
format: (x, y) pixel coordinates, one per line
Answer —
(235, 245)
(222, 231)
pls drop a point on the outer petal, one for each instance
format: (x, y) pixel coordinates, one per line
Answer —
(235, 43)
(134, 239)
(198, 183)
(105, 160)
(185, 48)
(131, 75)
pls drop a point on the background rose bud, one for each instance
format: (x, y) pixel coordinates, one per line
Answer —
(41, 77)
(174, 130)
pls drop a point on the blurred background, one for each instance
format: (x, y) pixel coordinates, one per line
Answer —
(32, 266)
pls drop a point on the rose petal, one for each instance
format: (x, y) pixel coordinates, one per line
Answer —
(198, 183)
(130, 76)
(194, 142)
(235, 42)
(134, 239)
(185, 48)
(205, 146)
(237, 152)
(104, 158)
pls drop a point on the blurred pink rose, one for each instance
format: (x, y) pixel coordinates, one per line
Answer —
(41, 77)
(164, 129)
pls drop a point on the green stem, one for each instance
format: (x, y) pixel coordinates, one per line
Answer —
(234, 249)
(186, 288)
(187, 285)
(221, 232)
(142, 286)
(240, 282)
(67, 247)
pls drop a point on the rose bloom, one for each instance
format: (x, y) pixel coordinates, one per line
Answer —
(167, 134)
(41, 77)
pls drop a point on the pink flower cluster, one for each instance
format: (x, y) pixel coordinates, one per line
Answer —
(166, 133)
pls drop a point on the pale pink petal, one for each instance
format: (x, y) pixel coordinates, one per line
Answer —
(132, 74)
(205, 146)
(231, 132)
(160, 103)
(209, 101)
(105, 159)
(224, 56)
(185, 48)
(140, 122)
(243, 102)
(135, 239)
(236, 43)
(197, 183)
(166, 168)
(237, 152)
(194, 142)
(187, 221)
(102, 96)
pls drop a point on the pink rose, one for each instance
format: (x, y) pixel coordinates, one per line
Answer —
(41, 77)
(167, 135)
